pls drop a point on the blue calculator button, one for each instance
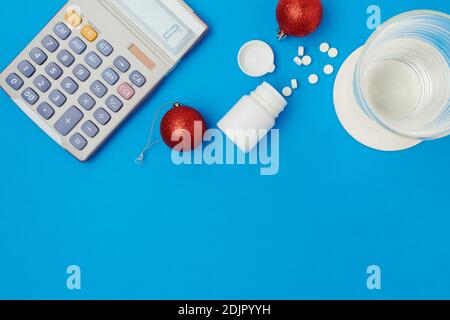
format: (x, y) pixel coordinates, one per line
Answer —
(137, 78)
(98, 89)
(105, 48)
(102, 116)
(62, 31)
(42, 83)
(77, 45)
(14, 81)
(57, 98)
(30, 96)
(81, 72)
(45, 110)
(38, 56)
(54, 71)
(78, 141)
(90, 129)
(68, 121)
(93, 60)
(86, 101)
(122, 64)
(26, 69)
(66, 58)
(50, 43)
(114, 103)
(69, 85)
(110, 76)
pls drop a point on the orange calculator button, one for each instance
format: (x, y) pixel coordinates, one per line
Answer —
(89, 33)
(73, 18)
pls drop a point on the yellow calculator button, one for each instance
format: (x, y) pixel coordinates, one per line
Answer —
(89, 33)
(73, 19)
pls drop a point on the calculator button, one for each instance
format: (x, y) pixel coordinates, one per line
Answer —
(26, 69)
(30, 96)
(78, 141)
(57, 98)
(126, 91)
(102, 116)
(77, 45)
(81, 73)
(54, 71)
(50, 44)
(86, 101)
(66, 58)
(114, 104)
(38, 56)
(68, 121)
(122, 64)
(98, 89)
(42, 83)
(89, 33)
(45, 110)
(14, 81)
(105, 48)
(62, 31)
(93, 60)
(69, 85)
(90, 129)
(137, 78)
(110, 76)
(73, 18)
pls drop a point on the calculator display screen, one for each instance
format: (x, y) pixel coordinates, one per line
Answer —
(155, 19)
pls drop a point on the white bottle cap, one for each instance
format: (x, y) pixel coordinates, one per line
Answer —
(256, 59)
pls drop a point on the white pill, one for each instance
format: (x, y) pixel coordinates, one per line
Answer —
(294, 84)
(328, 69)
(324, 47)
(313, 78)
(306, 60)
(287, 92)
(333, 53)
(301, 51)
(298, 61)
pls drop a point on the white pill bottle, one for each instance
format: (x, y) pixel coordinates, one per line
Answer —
(253, 116)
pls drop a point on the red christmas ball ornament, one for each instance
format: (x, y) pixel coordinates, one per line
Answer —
(298, 18)
(183, 128)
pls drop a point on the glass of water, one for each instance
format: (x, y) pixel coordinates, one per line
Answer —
(402, 79)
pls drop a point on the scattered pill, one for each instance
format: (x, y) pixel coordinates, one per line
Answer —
(324, 47)
(306, 60)
(287, 92)
(294, 84)
(333, 53)
(298, 61)
(313, 78)
(301, 51)
(328, 69)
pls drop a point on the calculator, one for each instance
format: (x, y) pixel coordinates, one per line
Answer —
(95, 62)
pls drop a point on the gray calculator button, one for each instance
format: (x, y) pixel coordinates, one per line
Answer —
(81, 72)
(26, 69)
(42, 83)
(66, 58)
(110, 76)
(114, 104)
(30, 96)
(69, 85)
(102, 116)
(57, 98)
(137, 78)
(93, 60)
(77, 45)
(14, 81)
(68, 121)
(45, 110)
(54, 71)
(86, 101)
(78, 141)
(62, 31)
(50, 44)
(98, 89)
(105, 48)
(122, 64)
(90, 129)
(38, 56)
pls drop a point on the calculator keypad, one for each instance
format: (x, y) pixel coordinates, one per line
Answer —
(50, 44)
(86, 101)
(93, 60)
(38, 56)
(122, 64)
(68, 121)
(78, 141)
(42, 83)
(26, 68)
(81, 72)
(77, 45)
(105, 48)
(102, 116)
(99, 89)
(69, 85)
(30, 96)
(57, 98)
(54, 71)
(14, 81)
(45, 110)
(62, 31)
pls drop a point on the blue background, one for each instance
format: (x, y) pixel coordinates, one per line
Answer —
(204, 232)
